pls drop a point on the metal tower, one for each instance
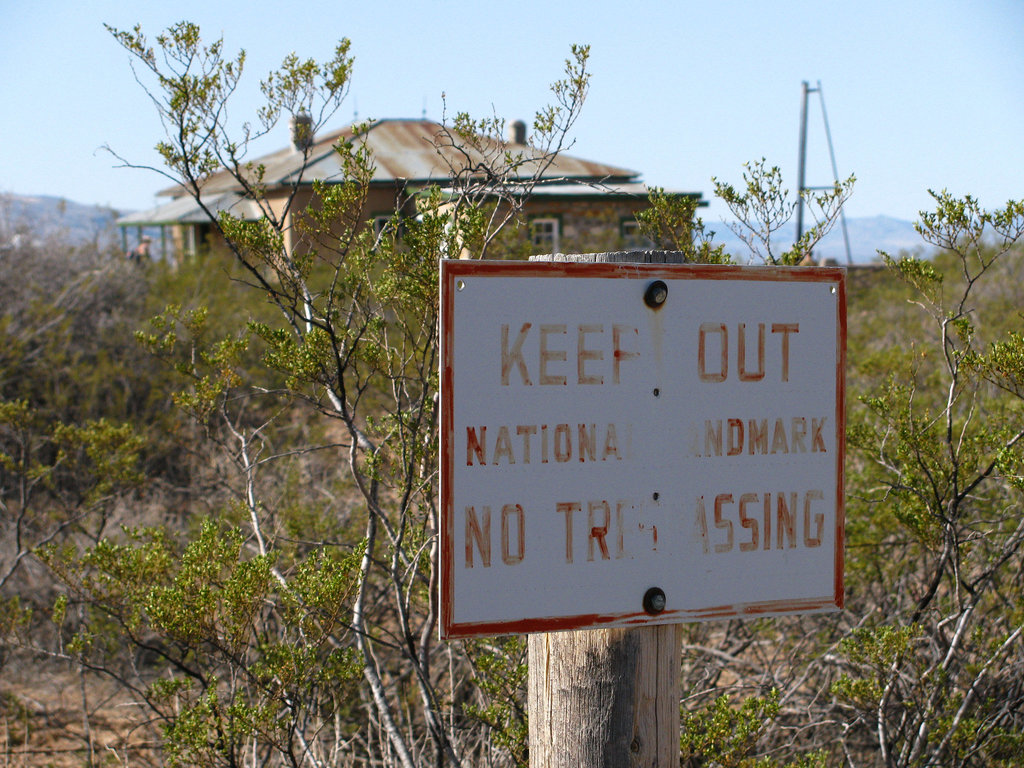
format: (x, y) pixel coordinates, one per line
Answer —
(801, 166)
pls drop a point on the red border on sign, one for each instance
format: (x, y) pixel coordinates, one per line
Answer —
(454, 270)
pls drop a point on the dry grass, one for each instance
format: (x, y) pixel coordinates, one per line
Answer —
(53, 717)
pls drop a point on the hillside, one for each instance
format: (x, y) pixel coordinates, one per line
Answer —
(867, 235)
(43, 217)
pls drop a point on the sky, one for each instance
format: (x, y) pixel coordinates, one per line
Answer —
(920, 94)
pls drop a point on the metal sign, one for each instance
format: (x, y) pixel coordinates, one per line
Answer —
(625, 444)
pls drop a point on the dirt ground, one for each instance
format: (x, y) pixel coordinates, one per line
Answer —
(43, 721)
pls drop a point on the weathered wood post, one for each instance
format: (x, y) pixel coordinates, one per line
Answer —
(606, 698)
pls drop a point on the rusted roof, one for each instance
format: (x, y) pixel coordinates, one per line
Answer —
(407, 150)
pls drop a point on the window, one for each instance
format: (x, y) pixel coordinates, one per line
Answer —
(545, 235)
(384, 225)
(632, 237)
(380, 223)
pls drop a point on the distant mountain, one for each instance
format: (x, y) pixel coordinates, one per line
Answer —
(42, 217)
(867, 236)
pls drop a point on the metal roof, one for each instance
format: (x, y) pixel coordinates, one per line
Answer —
(588, 188)
(185, 210)
(406, 151)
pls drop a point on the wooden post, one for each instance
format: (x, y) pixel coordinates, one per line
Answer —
(606, 698)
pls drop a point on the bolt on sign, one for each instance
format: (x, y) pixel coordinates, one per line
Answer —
(625, 444)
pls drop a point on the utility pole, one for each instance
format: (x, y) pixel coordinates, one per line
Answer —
(802, 163)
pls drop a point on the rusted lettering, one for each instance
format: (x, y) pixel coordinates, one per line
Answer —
(714, 368)
(587, 442)
(750, 523)
(527, 431)
(479, 532)
(713, 437)
(563, 443)
(476, 446)
(611, 444)
(553, 350)
(598, 531)
(514, 355)
(785, 520)
(785, 329)
(503, 447)
(567, 508)
(792, 528)
(767, 538)
(723, 360)
(511, 556)
(819, 520)
(752, 436)
(599, 523)
(620, 528)
(583, 354)
(817, 441)
(797, 433)
(722, 523)
(779, 442)
(701, 525)
(735, 437)
(741, 353)
(757, 436)
(620, 355)
(548, 355)
(478, 535)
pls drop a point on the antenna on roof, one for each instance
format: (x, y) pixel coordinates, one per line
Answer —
(355, 110)
(801, 187)
(424, 108)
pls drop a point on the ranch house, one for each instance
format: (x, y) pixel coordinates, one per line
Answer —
(577, 206)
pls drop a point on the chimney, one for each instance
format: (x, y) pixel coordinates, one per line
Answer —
(302, 131)
(517, 132)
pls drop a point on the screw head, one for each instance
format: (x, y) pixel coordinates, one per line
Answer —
(656, 294)
(654, 601)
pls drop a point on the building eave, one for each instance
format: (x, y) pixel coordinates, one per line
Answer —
(186, 210)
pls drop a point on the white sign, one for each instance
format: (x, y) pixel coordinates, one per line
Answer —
(626, 444)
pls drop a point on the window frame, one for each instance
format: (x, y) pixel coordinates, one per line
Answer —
(555, 236)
